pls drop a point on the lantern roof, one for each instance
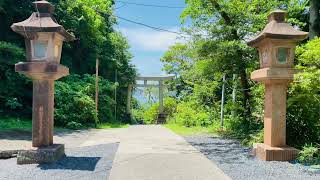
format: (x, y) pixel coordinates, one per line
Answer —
(278, 28)
(41, 21)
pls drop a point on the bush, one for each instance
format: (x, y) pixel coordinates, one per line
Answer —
(16, 89)
(188, 115)
(310, 154)
(150, 116)
(75, 104)
(303, 116)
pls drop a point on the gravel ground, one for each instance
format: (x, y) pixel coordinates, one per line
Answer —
(237, 162)
(81, 163)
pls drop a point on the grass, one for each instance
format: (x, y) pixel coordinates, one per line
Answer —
(111, 125)
(7, 124)
(14, 124)
(188, 131)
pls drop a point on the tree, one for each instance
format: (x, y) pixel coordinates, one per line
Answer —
(227, 26)
(95, 36)
(314, 22)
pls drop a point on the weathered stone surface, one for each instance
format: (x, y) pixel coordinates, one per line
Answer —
(8, 154)
(268, 153)
(42, 70)
(41, 155)
(42, 113)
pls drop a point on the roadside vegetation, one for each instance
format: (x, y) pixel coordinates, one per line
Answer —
(217, 46)
(75, 94)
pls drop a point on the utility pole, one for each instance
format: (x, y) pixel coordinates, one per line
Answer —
(97, 87)
(234, 91)
(222, 101)
(115, 95)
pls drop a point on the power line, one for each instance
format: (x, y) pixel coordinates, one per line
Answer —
(141, 24)
(152, 27)
(151, 5)
(123, 5)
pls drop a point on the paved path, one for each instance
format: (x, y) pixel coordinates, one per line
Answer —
(155, 153)
(134, 153)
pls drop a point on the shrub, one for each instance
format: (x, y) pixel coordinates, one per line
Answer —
(303, 116)
(188, 115)
(310, 154)
(75, 104)
(150, 116)
(73, 125)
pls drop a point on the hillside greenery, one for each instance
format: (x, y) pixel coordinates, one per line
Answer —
(74, 95)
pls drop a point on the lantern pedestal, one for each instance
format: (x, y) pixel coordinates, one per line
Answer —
(39, 155)
(43, 75)
(268, 153)
(276, 82)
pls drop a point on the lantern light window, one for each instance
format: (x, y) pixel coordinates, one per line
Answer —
(40, 49)
(282, 55)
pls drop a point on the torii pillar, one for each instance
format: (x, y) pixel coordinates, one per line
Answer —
(162, 115)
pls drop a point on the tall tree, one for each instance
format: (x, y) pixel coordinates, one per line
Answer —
(314, 23)
(219, 31)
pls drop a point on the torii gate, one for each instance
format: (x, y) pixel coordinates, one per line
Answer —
(162, 115)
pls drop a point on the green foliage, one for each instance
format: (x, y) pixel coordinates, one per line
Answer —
(111, 125)
(189, 115)
(95, 37)
(219, 31)
(73, 125)
(150, 116)
(7, 123)
(15, 97)
(75, 101)
(195, 130)
(310, 154)
(303, 116)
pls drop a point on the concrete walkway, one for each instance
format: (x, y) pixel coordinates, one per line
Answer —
(134, 153)
(155, 153)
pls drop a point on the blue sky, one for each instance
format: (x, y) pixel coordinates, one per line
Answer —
(147, 45)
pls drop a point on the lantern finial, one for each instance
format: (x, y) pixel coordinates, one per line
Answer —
(278, 15)
(44, 7)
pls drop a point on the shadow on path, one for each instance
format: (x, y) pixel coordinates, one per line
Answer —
(73, 163)
(90, 162)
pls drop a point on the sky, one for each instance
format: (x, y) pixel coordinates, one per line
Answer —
(147, 45)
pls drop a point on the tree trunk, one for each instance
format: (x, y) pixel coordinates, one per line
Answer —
(314, 22)
(246, 92)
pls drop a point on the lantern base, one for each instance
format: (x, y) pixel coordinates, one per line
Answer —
(42, 70)
(266, 74)
(41, 155)
(268, 153)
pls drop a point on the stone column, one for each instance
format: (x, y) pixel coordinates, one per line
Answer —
(42, 113)
(275, 113)
(160, 97)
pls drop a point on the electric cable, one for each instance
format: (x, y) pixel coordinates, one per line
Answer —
(151, 5)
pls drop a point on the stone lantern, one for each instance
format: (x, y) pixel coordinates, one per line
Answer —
(43, 38)
(276, 45)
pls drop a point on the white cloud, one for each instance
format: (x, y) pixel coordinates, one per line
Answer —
(150, 40)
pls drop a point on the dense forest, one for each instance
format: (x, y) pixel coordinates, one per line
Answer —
(74, 95)
(217, 46)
